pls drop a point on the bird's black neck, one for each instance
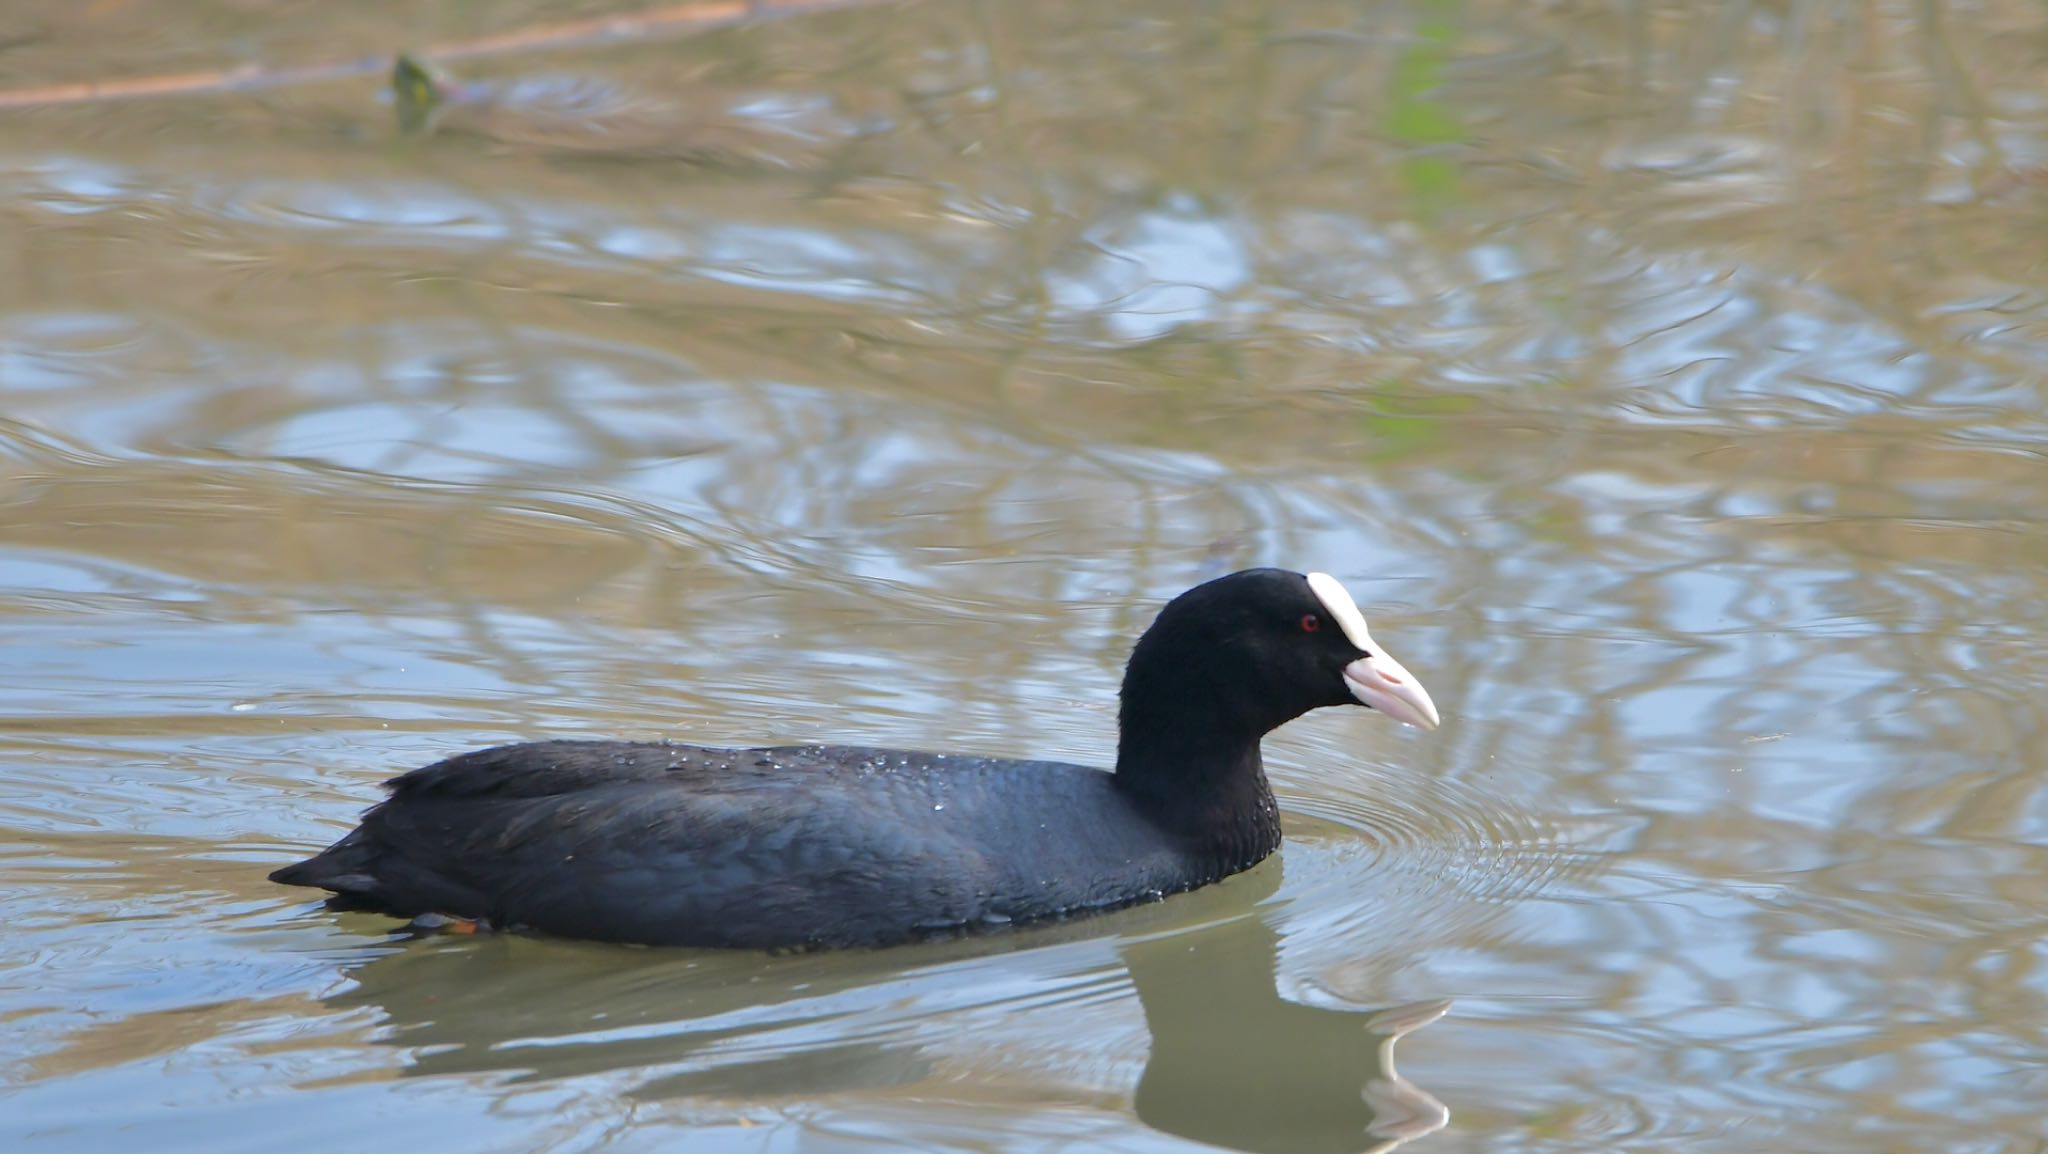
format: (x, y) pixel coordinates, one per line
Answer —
(1196, 773)
(1197, 697)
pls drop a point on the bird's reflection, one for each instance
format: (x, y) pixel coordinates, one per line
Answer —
(1231, 1063)
(709, 1023)
(1235, 1064)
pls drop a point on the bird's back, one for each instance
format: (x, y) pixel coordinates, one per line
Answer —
(774, 847)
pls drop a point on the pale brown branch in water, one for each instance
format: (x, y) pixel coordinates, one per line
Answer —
(674, 19)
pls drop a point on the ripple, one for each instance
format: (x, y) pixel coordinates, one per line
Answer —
(1388, 865)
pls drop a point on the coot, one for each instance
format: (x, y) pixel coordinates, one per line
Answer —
(827, 845)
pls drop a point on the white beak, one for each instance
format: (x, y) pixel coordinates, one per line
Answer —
(1377, 680)
(1380, 682)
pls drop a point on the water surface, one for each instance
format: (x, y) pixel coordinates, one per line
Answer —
(1666, 380)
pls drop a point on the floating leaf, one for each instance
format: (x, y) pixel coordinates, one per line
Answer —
(416, 93)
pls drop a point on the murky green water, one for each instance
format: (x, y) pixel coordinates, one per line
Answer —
(1668, 380)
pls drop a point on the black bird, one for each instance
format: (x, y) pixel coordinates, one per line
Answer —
(825, 845)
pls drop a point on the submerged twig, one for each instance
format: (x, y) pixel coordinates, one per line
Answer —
(674, 19)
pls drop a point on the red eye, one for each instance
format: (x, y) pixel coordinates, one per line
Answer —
(1310, 623)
